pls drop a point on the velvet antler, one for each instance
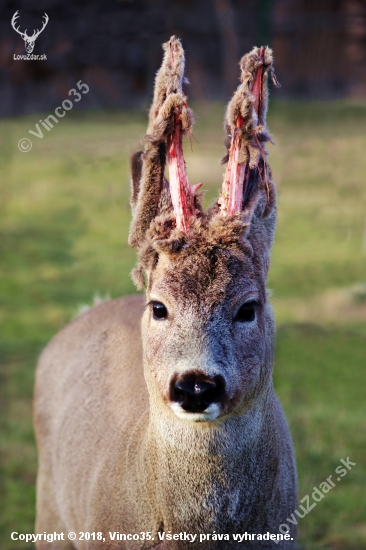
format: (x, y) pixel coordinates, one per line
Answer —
(171, 101)
(246, 131)
(169, 119)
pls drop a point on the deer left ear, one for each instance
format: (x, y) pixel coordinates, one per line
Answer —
(260, 215)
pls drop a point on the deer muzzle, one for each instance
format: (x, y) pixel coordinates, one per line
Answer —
(196, 396)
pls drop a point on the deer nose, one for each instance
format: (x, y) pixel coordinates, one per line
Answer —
(195, 391)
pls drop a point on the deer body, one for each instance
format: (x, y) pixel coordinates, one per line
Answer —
(125, 468)
(159, 416)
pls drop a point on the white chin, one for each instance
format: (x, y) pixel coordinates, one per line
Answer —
(209, 414)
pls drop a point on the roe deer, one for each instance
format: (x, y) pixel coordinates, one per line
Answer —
(157, 417)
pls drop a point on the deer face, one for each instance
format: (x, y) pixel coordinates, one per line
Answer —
(29, 44)
(207, 329)
(208, 334)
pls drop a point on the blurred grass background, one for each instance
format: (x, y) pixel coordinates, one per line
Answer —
(63, 240)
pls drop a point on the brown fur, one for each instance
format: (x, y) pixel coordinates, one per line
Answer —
(115, 455)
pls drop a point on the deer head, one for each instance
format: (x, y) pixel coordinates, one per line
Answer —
(29, 40)
(208, 329)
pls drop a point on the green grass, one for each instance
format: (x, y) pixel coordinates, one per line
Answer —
(64, 219)
(320, 380)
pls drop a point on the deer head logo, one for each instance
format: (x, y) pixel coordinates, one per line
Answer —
(29, 40)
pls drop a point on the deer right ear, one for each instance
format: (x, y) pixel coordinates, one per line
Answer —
(136, 171)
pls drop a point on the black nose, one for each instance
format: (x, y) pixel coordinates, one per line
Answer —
(194, 391)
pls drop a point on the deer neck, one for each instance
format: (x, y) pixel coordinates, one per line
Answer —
(204, 472)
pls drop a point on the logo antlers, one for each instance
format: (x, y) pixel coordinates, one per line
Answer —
(29, 40)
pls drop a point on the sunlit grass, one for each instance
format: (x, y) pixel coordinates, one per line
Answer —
(64, 222)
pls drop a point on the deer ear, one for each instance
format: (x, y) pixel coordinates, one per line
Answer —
(136, 170)
(260, 214)
(147, 180)
(164, 202)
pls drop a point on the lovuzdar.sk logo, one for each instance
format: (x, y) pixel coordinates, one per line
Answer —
(29, 41)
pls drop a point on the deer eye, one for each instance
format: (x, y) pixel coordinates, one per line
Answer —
(246, 313)
(159, 310)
